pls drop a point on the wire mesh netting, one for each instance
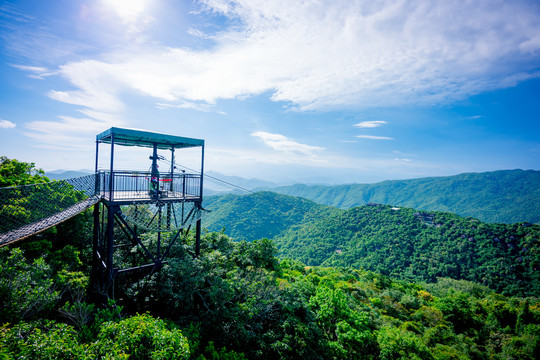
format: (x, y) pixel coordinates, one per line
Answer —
(28, 209)
(160, 216)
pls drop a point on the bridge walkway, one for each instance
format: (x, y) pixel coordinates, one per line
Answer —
(44, 224)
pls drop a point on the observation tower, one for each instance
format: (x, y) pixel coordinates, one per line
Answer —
(162, 203)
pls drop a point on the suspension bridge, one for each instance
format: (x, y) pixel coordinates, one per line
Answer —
(30, 209)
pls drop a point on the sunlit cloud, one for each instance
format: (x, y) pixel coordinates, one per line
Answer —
(132, 13)
(331, 54)
(309, 55)
(5, 124)
(282, 143)
(370, 124)
(128, 10)
(373, 137)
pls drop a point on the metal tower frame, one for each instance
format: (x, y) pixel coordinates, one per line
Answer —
(120, 188)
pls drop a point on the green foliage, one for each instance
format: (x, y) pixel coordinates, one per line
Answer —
(15, 173)
(210, 352)
(259, 215)
(141, 337)
(421, 247)
(238, 301)
(27, 289)
(348, 332)
(398, 344)
(42, 340)
(232, 292)
(457, 309)
(400, 242)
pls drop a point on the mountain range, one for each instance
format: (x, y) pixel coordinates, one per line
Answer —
(396, 241)
(504, 196)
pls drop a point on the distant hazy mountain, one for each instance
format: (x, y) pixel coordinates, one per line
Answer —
(505, 196)
(66, 174)
(219, 183)
(214, 183)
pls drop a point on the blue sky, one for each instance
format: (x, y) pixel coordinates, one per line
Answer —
(288, 91)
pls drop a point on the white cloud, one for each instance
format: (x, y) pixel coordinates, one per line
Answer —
(202, 107)
(128, 10)
(311, 55)
(373, 137)
(370, 124)
(282, 143)
(5, 124)
(132, 13)
(98, 83)
(319, 55)
(37, 72)
(70, 132)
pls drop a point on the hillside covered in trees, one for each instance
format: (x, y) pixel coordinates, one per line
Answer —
(506, 196)
(239, 300)
(401, 242)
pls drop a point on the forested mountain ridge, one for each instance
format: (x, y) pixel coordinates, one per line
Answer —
(505, 196)
(399, 242)
(421, 246)
(259, 215)
(238, 301)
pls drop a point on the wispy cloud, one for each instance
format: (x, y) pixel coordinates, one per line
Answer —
(370, 124)
(271, 165)
(282, 143)
(36, 72)
(331, 54)
(310, 55)
(5, 124)
(373, 137)
(70, 132)
(202, 107)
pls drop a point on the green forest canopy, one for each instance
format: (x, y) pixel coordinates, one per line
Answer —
(239, 301)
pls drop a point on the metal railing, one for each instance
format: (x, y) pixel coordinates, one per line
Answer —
(130, 185)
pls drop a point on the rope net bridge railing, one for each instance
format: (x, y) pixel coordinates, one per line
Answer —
(29, 209)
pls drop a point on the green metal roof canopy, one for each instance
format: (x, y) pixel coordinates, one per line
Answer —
(130, 137)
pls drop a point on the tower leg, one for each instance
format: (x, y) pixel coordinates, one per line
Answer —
(198, 238)
(109, 273)
(96, 267)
